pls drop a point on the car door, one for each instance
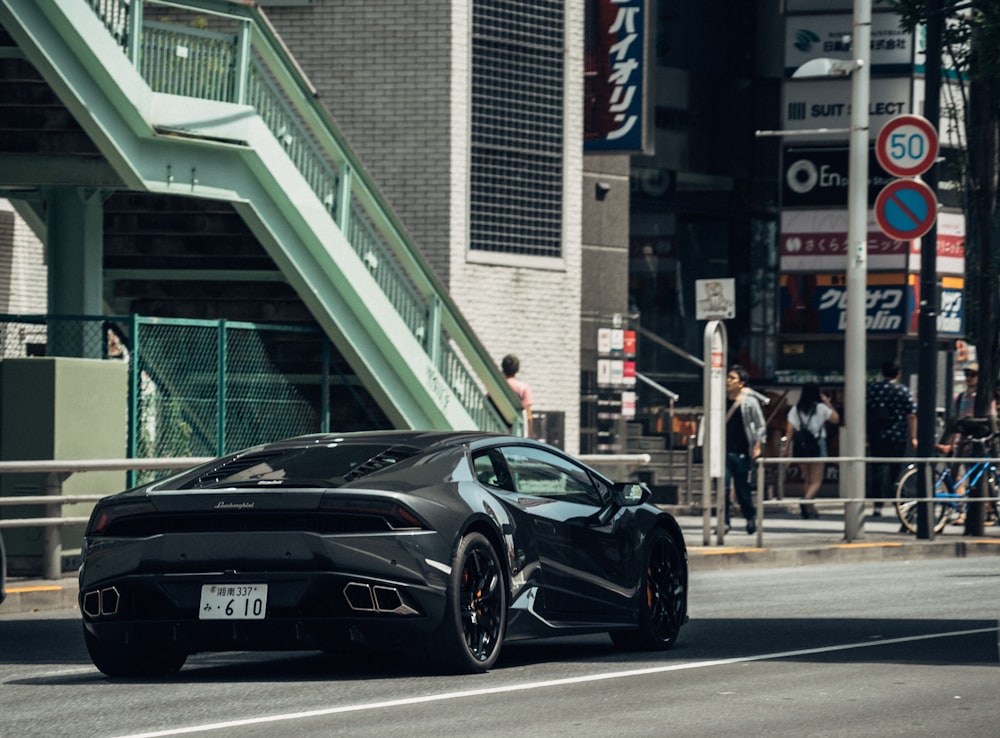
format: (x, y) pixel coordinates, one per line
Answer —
(587, 557)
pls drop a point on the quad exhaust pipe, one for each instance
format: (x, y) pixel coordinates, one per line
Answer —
(101, 602)
(361, 597)
(376, 598)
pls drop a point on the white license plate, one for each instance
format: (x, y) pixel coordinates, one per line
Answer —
(233, 602)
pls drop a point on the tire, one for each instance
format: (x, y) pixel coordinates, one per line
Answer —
(662, 601)
(470, 636)
(907, 493)
(130, 660)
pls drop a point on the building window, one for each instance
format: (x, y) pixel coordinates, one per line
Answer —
(517, 127)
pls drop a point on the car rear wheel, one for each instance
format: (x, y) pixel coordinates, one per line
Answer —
(131, 660)
(475, 620)
(663, 599)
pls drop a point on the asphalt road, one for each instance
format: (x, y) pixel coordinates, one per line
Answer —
(904, 648)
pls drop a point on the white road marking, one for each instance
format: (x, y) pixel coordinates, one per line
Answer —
(542, 685)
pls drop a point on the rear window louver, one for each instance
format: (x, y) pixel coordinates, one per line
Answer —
(378, 462)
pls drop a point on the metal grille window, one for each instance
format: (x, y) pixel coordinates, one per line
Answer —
(517, 127)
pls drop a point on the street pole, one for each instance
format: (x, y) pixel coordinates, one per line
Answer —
(929, 297)
(855, 349)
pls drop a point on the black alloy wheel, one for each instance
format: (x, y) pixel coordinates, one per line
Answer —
(662, 599)
(472, 632)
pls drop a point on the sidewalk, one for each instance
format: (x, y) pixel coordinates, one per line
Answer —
(788, 540)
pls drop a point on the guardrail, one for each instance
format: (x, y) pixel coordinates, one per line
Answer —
(852, 527)
(58, 472)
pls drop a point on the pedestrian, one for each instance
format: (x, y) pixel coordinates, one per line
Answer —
(957, 440)
(892, 430)
(511, 365)
(963, 406)
(745, 431)
(806, 433)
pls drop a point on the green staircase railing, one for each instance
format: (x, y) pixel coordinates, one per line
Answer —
(228, 52)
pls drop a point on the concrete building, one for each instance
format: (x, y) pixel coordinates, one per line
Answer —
(469, 116)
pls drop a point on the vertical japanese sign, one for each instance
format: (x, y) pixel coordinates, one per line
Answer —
(615, 77)
(616, 379)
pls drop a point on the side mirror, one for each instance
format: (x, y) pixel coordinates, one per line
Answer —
(631, 494)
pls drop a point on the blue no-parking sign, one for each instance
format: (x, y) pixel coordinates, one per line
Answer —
(906, 209)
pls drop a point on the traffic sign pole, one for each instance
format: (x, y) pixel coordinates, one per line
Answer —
(929, 299)
(906, 209)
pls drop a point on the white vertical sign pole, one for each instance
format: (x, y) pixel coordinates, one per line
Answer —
(714, 437)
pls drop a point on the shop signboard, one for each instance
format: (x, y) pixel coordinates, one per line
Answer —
(816, 176)
(616, 80)
(813, 104)
(828, 36)
(816, 241)
(817, 304)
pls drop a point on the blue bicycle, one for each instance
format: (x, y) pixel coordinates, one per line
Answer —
(952, 486)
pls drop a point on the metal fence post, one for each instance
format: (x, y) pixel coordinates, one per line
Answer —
(220, 445)
(51, 534)
(928, 503)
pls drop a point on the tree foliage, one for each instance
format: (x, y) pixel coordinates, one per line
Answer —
(971, 54)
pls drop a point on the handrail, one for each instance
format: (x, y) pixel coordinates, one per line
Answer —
(57, 471)
(851, 523)
(698, 362)
(670, 394)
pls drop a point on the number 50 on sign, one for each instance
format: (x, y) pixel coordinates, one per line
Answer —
(907, 146)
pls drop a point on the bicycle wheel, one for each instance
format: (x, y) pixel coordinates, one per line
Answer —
(908, 492)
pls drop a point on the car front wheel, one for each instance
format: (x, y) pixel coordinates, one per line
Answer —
(662, 601)
(471, 634)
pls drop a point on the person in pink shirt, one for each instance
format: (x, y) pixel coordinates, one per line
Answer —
(510, 366)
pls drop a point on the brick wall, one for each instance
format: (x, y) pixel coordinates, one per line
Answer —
(395, 75)
(23, 272)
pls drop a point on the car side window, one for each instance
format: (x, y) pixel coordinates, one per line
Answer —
(539, 473)
(485, 472)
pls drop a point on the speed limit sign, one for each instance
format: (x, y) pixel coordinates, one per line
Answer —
(907, 146)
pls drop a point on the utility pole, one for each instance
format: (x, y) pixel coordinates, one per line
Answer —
(855, 338)
(929, 293)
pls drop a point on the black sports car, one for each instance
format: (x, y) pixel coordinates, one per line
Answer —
(447, 543)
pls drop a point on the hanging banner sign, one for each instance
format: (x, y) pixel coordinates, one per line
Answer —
(615, 78)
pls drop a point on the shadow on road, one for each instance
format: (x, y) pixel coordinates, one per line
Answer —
(835, 640)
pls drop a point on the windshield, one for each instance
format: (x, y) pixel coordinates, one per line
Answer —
(329, 465)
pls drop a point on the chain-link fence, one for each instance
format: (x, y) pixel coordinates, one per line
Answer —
(199, 387)
(209, 387)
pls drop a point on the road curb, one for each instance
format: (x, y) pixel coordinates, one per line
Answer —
(706, 558)
(36, 596)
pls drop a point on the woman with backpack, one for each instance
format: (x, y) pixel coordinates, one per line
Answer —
(806, 433)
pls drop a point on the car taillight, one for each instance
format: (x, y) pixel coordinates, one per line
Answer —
(395, 515)
(106, 515)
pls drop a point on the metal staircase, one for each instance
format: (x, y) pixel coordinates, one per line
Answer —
(205, 104)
